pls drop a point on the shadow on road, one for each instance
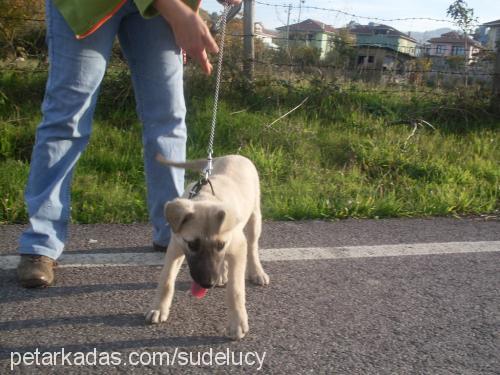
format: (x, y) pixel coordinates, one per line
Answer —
(115, 320)
(12, 292)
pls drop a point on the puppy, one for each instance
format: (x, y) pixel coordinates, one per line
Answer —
(217, 231)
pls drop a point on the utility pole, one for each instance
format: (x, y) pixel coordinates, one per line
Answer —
(300, 9)
(248, 41)
(466, 54)
(288, 28)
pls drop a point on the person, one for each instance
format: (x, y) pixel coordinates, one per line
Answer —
(80, 36)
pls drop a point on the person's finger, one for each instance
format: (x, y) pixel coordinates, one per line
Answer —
(209, 42)
(207, 66)
(202, 59)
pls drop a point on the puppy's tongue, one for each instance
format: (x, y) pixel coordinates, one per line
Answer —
(197, 290)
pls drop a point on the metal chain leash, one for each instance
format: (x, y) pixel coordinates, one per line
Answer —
(210, 150)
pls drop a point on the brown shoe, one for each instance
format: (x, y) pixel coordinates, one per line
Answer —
(36, 271)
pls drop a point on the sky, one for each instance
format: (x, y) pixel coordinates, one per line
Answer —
(275, 15)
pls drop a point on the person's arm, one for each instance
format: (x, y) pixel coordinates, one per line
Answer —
(191, 32)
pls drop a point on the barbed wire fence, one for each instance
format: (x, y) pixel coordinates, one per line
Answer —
(293, 56)
(377, 62)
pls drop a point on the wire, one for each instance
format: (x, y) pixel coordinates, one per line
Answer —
(348, 44)
(358, 69)
(9, 18)
(356, 15)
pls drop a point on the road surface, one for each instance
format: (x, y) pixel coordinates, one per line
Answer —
(349, 297)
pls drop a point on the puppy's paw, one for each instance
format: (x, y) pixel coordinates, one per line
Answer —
(222, 280)
(223, 276)
(259, 278)
(237, 328)
(156, 316)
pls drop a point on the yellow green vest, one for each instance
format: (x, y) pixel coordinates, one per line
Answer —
(86, 16)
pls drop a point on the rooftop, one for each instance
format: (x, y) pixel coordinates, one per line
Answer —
(308, 26)
(454, 37)
(378, 29)
(261, 30)
(492, 23)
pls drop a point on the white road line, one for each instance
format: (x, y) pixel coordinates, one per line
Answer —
(273, 255)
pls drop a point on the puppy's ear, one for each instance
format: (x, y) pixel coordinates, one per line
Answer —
(225, 219)
(178, 212)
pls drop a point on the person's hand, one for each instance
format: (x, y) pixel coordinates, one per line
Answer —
(191, 32)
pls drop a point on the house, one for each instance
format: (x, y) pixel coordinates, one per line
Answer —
(493, 34)
(267, 36)
(309, 33)
(380, 59)
(385, 37)
(454, 44)
(382, 48)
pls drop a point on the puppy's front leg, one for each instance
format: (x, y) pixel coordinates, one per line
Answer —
(235, 292)
(166, 286)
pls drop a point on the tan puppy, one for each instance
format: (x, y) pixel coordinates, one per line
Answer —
(217, 232)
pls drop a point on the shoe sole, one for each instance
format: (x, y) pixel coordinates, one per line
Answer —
(36, 284)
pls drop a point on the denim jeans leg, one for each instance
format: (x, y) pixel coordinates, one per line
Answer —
(76, 70)
(157, 74)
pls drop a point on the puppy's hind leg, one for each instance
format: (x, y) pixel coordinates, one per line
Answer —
(166, 287)
(253, 229)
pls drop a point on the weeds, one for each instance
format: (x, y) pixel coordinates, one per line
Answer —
(345, 152)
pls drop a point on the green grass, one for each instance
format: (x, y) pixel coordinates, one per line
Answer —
(345, 153)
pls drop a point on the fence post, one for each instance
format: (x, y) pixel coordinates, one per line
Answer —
(248, 41)
(496, 78)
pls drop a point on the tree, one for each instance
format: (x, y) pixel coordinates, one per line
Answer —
(342, 53)
(465, 20)
(463, 16)
(305, 56)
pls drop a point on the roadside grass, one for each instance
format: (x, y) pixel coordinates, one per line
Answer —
(347, 152)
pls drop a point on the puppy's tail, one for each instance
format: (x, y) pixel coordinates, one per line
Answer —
(192, 164)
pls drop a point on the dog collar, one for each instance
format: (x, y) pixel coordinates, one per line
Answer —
(195, 190)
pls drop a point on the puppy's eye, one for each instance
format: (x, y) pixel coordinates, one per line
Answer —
(194, 245)
(219, 245)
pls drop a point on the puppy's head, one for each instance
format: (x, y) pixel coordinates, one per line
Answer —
(204, 230)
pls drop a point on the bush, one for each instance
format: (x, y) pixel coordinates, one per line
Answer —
(19, 32)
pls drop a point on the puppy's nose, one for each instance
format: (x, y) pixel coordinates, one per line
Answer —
(207, 285)
(204, 279)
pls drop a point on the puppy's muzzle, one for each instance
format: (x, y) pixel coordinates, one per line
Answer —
(207, 286)
(204, 281)
(204, 273)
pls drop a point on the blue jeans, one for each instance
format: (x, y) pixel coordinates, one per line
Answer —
(76, 71)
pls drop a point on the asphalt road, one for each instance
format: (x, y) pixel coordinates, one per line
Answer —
(407, 314)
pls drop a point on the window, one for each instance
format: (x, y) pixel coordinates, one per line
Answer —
(361, 60)
(371, 59)
(440, 49)
(458, 50)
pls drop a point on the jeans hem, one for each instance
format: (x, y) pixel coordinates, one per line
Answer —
(38, 250)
